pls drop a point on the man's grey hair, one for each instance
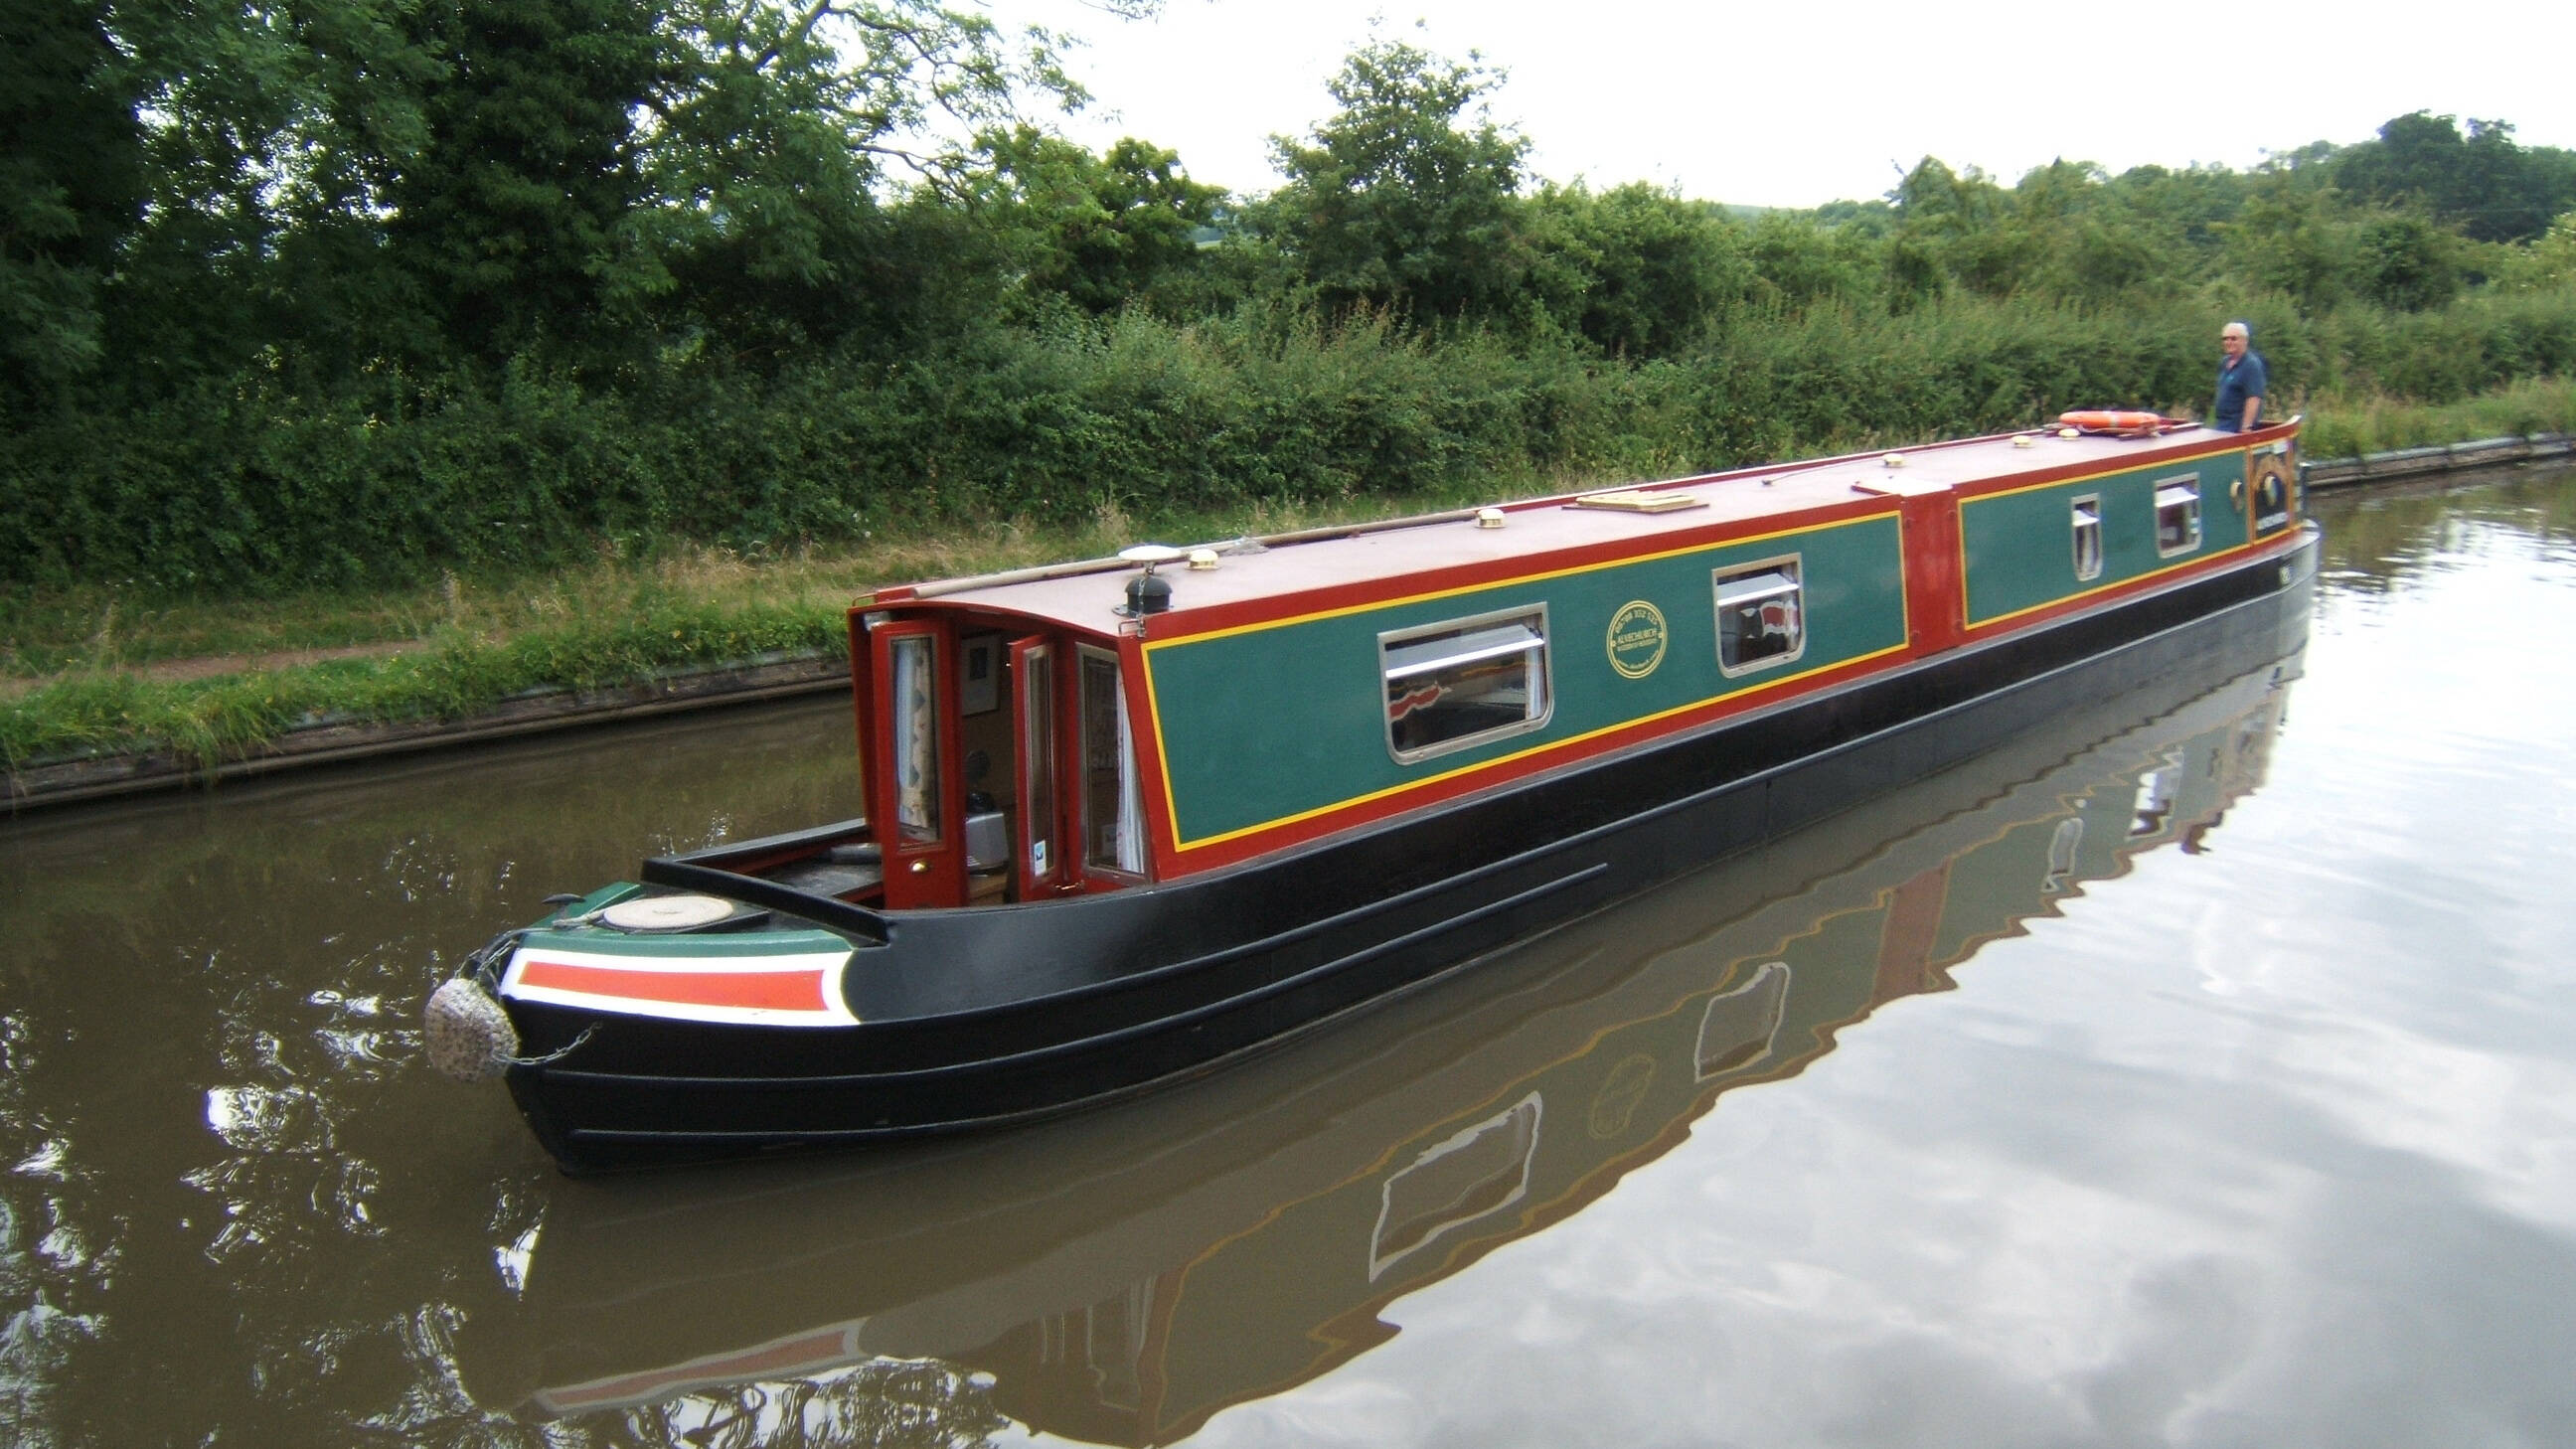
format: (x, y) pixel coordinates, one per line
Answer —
(2245, 327)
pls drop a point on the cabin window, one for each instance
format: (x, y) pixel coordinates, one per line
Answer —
(1113, 808)
(2178, 515)
(2088, 537)
(916, 738)
(1761, 616)
(1452, 685)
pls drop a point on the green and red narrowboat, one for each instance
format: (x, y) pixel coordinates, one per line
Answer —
(1130, 818)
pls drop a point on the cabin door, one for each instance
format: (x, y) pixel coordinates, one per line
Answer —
(920, 801)
(1038, 864)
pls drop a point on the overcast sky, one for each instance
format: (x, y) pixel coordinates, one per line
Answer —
(1791, 104)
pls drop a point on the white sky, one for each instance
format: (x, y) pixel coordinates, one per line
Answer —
(1790, 104)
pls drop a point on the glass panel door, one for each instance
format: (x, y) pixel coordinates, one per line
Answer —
(916, 793)
(1038, 866)
(1113, 816)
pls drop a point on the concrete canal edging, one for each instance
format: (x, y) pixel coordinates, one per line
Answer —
(2444, 458)
(98, 777)
(105, 776)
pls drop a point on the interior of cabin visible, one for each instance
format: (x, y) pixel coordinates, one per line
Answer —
(999, 761)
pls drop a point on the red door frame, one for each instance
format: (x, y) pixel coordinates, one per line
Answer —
(930, 872)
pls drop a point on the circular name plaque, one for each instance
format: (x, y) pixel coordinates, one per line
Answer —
(1637, 638)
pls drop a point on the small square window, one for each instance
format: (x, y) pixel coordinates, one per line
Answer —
(2088, 537)
(1452, 685)
(2178, 515)
(1761, 616)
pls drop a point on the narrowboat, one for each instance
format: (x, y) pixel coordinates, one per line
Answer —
(1122, 1279)
(1131, 818)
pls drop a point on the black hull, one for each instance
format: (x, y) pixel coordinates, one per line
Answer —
(979, 1017)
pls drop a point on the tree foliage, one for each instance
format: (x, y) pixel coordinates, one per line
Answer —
(1403, 199)
(1098, 231)
(2484, 183)
(334, 290)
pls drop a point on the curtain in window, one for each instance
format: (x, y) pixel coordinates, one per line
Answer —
(1131, 797)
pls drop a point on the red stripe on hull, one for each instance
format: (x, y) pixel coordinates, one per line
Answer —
(747, 990)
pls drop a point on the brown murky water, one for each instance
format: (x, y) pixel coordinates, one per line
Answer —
(2200, 1071)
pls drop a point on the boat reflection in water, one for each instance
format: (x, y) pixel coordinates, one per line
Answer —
(1121, 1277)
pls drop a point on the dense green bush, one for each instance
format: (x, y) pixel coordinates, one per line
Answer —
(257, 486)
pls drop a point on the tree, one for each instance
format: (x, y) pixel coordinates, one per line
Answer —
(2292, 238)
(1403, 200)
(1101, 230)
(270, 131)
(2483, 183)
(71, 189)
(804, 161)
(1951, 227)
(513, 210)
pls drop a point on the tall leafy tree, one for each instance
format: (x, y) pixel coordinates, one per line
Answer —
(2484, 182)
(1099, 231)
(785, 148)
(71, 189)
(269, 130)
(1405, 197)
(513, 211)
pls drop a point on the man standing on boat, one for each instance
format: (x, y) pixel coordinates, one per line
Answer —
(2241, 379)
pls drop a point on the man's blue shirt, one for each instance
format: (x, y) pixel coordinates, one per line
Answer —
(2235, 384)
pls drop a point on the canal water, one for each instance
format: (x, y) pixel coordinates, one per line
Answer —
(2200, 1070)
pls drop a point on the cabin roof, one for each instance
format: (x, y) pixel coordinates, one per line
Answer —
(1086, 596)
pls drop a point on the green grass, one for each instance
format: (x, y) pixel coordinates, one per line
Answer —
(452, 676)
(2348, 426)
(78, 662)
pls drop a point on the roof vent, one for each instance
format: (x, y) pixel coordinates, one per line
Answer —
(1148, 593)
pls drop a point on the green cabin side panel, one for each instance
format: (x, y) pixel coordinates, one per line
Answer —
(2020, 546)
(1279, 722)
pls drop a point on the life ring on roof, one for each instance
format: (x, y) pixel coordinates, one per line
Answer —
(2127, 423)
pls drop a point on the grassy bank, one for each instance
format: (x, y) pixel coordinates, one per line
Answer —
(86, 670)
(2373, 422)
(92, 671)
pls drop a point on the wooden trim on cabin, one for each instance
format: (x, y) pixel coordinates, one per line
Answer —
(2154, 457)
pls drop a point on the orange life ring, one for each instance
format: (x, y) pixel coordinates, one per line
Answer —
(2113, 422)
